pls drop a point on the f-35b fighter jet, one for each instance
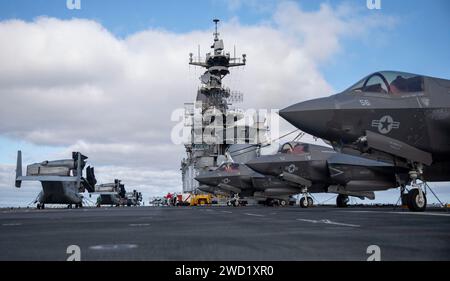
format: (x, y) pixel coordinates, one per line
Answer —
(401, 118)
(238, 180)
(316, 169)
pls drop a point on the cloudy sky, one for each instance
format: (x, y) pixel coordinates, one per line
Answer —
(105, 79)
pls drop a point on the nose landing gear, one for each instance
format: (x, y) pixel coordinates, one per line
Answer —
(416, 199)
(235, 201)
(306, 201)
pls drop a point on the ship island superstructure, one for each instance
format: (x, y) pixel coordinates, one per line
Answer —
(216, 135)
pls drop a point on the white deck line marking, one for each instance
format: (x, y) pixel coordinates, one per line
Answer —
(11, 224)
(329, 222)
(114, 247)
(139, 224)
(312, 221)
(254, 215)
(228, 212)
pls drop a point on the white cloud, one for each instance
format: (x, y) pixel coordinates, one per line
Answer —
(260, 6)
(72, 83)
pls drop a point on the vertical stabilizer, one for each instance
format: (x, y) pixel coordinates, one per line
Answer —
(19, 169)
(78, 170)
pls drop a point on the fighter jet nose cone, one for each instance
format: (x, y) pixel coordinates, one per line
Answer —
(312, 116)
(202, 179)
(291, 113)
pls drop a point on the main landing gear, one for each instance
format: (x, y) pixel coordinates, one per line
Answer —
(235, 202)
(274, 202)
(40, 206)
(342, 201)
(78, 205)
(306, 201)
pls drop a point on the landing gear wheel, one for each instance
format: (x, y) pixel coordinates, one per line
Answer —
(342, 201)
(236, 203)
(42, 206)
(271, 202)
(416, 203)
(283, 203)
(38, 206)
(310, 202)
(304, 203)
(404, 199)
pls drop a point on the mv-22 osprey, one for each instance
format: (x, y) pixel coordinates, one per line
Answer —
(62, 180)
(398, 117)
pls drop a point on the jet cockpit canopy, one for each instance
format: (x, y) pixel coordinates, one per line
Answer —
(294, 148)
(228, 167)
(389, 82)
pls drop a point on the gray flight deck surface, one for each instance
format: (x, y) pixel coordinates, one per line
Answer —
(224, 233)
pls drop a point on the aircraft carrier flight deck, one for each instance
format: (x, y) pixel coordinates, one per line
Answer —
(224, 233)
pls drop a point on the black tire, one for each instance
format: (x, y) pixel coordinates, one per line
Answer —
(310, 202)
(414, 203)
(283, 203)
(42, 206)
(404, 199)
(342, 201)
(303, 203)
(38, 206)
